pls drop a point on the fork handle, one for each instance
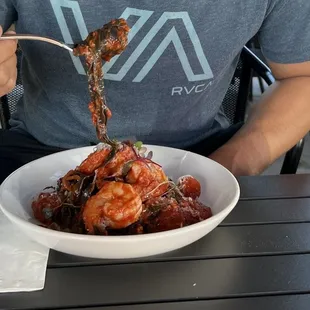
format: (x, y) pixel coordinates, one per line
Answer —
(36, 38)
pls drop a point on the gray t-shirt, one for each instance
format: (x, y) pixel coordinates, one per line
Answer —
(168, 86)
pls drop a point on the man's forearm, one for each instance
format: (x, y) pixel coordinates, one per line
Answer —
(275, 125)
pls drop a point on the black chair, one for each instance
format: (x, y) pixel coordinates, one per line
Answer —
(235, 103)
(254, 46)
(8, 103)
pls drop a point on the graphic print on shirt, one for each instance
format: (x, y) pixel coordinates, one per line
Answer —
(172, 37)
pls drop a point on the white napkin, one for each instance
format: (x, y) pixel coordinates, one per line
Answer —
(22, 261)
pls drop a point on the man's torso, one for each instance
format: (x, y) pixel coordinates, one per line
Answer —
(166, 88)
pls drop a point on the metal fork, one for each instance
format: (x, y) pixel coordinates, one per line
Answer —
(35, 37)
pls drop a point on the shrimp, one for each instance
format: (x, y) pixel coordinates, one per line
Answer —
(95, 160)
(147, 178)
(117, 205)
(115, 166)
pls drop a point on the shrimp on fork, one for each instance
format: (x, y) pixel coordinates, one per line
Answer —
(117, 205)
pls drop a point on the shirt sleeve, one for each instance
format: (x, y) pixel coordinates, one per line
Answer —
(285, 34)
(8, 14)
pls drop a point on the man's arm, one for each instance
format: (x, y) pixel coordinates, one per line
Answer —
(275, 124)
(282, 117)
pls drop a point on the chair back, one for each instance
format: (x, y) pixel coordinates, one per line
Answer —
(236, 99)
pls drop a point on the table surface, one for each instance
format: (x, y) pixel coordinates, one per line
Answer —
(258, 258)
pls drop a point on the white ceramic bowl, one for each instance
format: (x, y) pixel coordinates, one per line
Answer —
(220, 191)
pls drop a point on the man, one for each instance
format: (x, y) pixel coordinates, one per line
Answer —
(167, 87)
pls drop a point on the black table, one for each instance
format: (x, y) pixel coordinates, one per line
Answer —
(259, 258)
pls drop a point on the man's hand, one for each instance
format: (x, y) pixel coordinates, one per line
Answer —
(8, 61)
(275, 124)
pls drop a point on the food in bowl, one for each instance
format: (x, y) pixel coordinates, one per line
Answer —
(120, 191)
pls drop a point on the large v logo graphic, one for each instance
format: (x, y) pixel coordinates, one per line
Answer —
(144, 15)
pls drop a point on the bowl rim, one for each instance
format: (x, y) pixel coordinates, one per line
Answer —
(128, 238)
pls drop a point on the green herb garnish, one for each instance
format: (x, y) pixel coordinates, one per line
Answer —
(138, 145)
